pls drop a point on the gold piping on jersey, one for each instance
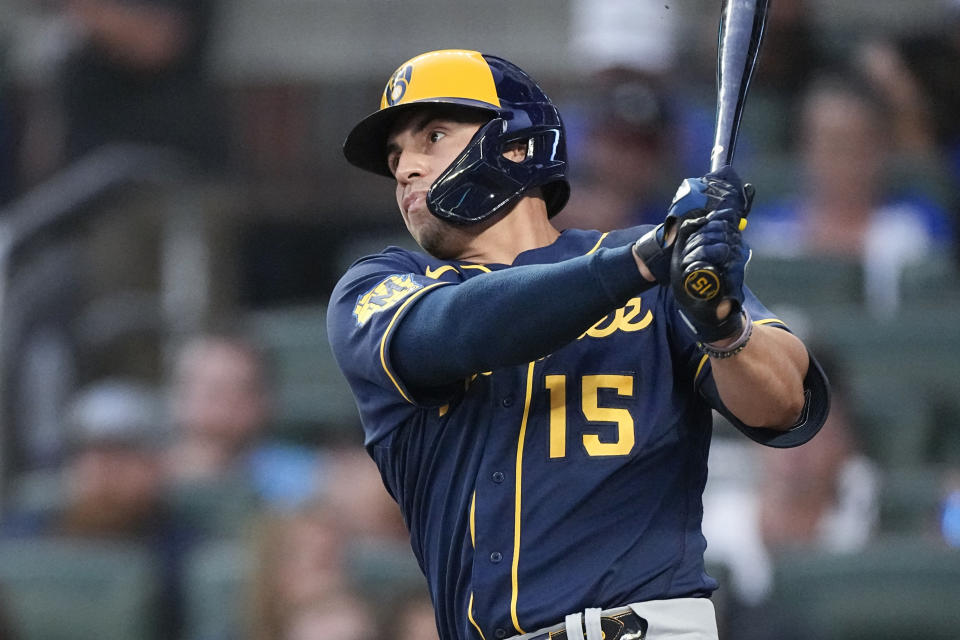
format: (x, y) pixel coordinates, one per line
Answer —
(478, 267)
(473, 520)
(599, 242)
(393, 320)
(470, 617)
(703, 361)
(433, 274)
(770, 321)
(528, 400)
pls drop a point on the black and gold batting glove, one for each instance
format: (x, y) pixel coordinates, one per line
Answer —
(695, 198)
(707, 268)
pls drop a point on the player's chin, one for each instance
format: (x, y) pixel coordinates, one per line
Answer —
(436, 238)
(435, 244)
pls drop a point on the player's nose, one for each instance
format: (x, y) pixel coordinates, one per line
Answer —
(410, 166)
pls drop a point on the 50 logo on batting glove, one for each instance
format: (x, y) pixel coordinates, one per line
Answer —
(696, 197)
(707, 269)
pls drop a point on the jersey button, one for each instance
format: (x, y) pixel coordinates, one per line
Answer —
(500, 633)
(497, 477)
(496, 557)
(507, 401)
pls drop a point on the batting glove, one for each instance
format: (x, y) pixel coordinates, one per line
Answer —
(706, 269)
(696, 197)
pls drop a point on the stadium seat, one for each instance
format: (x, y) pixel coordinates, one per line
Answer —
(382, 570)
(895, 590)
(56, 589)
(214, 506)
(214, 589)
(910, 499)
(902, 374)
(804, 281)
(313, 398)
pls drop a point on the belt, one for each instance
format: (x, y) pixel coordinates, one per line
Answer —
(593, 624)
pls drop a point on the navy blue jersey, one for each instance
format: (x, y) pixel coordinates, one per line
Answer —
(536, 490)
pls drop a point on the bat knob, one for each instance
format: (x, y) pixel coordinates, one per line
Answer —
(701, 284)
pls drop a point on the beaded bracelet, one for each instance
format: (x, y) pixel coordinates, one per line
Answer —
(736, 346)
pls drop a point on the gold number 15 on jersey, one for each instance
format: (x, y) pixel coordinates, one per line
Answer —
(589, 402)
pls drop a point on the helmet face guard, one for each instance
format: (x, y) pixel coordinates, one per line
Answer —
(480, 182)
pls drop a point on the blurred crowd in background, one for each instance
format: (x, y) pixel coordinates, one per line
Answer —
(179, 458)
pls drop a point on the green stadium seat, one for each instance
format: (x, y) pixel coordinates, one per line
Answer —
(55, 589)
(805, 282)
(892, 591)
(902, 375)
(894, 419)
(216, 507)
(383, 571)
(910, 499)
(314, 401)
(214, 588)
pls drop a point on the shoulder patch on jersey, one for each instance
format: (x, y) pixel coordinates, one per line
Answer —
(386, 294)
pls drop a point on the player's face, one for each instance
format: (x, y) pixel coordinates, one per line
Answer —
(418, 151)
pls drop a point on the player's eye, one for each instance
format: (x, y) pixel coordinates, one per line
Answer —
(436, 136)
(393, 159)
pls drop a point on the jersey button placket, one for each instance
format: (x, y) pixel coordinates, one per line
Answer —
(497, 476)
(507, 401)
(500, 633)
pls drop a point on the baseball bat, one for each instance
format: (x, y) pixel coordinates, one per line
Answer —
(742, 24)
(741, 30)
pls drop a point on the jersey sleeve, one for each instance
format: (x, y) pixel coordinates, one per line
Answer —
(815, 386)
(364, 308)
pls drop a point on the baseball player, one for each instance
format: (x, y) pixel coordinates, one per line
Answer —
(539, 403)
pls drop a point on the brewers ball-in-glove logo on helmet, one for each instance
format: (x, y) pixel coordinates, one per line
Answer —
(480, 182)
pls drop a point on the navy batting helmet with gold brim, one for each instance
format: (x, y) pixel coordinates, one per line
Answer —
(480, 182)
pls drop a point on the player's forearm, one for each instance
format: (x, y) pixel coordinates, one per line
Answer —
(511, 316)
(763, 384)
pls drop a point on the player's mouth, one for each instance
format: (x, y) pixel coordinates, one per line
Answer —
(414, 199)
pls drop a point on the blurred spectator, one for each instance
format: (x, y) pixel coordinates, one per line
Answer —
(137, 75)
(113, 484)
(6, 626)
(8, 143)
(628, 167)
(823, 495)
(623, 33)
(950, 509)
(845, 205)
(415, 618)
(221, 406)
(791, 57)
(922, 67)
(383, 568)
(355, 489)
(300, 566)
(344, 617)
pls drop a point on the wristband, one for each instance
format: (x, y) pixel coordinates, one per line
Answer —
(657, 257)
(734, 347)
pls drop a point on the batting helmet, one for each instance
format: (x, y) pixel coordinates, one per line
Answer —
(480, 182)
